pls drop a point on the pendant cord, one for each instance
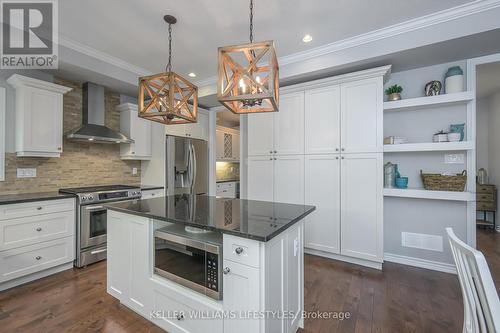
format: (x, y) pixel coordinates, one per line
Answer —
(169, 65)
(251, 21)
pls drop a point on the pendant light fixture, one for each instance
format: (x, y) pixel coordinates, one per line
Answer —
(248, 76)
(167, 97)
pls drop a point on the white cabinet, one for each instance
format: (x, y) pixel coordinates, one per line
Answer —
(128, 252)
(148, 194)
(362, 116)
(260, 134)
(289, 125)
(289, 179)
(227, 144)
(280, 132)
(279, 178)
(362, 206)
(322, 189)
(36, 239)
(138, 129)
(260, 178)
(39, 116)
(198, 130)
(241, 293)
(322, 121)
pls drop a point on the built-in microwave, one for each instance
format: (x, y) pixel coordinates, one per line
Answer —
(193, 261)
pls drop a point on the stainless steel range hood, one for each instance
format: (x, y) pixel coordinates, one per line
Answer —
(93, 128)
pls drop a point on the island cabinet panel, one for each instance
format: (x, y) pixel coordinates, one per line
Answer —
(128, 263)
(241, 297)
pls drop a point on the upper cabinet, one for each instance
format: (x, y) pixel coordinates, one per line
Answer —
(362, 111)
(228, 144)
(280, 132)
(198, 130)
(39, 116)
(322, 123)
(137, 129)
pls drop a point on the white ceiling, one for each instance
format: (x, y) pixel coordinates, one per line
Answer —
(135, 32)
(488, 79)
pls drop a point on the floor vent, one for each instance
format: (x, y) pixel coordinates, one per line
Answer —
(422, 241)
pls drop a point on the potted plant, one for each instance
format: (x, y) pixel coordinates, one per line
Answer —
(394, 92)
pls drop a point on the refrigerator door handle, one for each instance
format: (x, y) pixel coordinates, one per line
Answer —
(193, 179)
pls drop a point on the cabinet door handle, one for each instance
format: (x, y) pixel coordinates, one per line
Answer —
(337, 158)
(342, 157)
(270, 158)
(59, 148)
(343, 149)
(275, 158)
(270, 152)
(239, 250)
(38, 229)
(39, 208)
(275, 152)
(226, 270)
(38, 257)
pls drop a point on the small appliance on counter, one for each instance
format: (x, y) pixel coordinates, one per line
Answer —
(482, 176)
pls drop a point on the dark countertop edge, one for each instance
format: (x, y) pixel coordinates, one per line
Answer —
(228, 181)
(224, 231)
(35, 197)
(151, 187)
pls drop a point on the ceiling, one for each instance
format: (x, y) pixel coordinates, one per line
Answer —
(488, 79)
(135, 32)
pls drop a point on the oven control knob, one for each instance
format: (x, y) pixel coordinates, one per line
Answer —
(90, 197)
(84, 198)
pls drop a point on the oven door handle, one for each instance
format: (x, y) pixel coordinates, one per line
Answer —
(94, 208)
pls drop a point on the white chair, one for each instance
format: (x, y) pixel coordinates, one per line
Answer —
(481, 303)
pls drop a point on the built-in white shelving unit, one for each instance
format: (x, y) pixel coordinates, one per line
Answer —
(429, 146)
(420, 193)
(428, 102)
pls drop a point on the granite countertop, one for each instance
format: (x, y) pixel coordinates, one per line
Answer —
(30, 197)
(151, 187)
(259, 220)
(229, 181)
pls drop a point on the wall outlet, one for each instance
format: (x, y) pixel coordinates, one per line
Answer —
(134, 171)
(26, 173)
(454, 158)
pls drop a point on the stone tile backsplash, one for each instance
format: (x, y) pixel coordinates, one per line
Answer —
(80, 164)
(227, 171)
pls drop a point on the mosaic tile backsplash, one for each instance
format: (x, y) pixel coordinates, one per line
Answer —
(80, 164)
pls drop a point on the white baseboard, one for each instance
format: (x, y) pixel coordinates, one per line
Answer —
(35, 276)
(421, 263)
(351, 260)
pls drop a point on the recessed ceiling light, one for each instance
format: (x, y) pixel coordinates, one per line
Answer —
(307, 38)
(192, 74)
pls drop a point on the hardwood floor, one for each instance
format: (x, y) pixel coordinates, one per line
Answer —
(398, 299)
(488, 242)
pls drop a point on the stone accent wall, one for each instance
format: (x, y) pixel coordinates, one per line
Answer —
(227, 171)
(80, 164)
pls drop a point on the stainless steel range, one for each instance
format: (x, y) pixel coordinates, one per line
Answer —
(91, 218)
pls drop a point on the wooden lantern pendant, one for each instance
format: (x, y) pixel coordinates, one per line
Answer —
(167, 97)
(248, 76)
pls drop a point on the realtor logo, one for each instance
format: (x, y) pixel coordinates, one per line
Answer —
(29, 34)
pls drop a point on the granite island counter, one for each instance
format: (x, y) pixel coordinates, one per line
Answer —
(207, 264)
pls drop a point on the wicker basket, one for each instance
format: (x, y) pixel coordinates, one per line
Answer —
(437, 182)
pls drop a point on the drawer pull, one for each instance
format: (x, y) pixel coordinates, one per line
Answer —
(38, 229)
(38, 257)
(39, 208)
(239, 250)
(226, 270)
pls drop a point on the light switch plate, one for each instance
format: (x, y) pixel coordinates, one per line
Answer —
(454, 158)
(26, 172)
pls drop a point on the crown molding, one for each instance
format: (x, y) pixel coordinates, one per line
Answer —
(20, 81)
(91, 52)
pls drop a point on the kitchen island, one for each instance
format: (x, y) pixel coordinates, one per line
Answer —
(206, 264)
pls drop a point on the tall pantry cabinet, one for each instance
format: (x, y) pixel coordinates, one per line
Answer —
(325, 148)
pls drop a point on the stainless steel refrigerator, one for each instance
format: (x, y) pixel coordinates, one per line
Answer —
(186, 166)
